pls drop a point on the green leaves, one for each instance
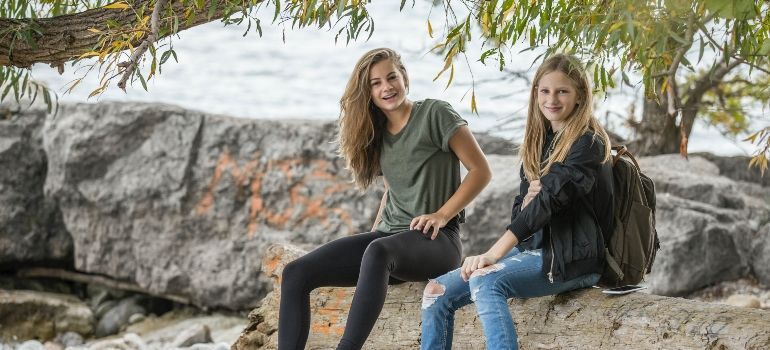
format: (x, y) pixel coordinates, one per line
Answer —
(304, 13)
(760, 138)
(166, 55)
(765, 49)
(20, 82)
(732, 9)
(664, 42)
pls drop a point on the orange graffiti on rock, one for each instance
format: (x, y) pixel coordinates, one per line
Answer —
(330, 315)
(271, 265)
(225, 163)
(252, 175)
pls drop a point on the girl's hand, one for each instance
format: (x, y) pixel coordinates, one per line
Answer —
(534, 189)
(475, 262)
(428, 222)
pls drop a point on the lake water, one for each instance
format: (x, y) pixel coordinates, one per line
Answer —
(220, 71)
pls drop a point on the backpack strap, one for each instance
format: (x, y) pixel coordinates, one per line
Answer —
(623, 151)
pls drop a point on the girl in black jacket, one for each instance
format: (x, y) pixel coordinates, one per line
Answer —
(554, 241)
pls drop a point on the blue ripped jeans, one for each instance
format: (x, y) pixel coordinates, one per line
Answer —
(517, 275)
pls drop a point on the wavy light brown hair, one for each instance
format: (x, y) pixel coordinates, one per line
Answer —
(361, 122)
(577, 123)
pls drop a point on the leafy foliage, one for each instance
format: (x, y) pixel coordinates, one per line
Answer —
(116, 39)
(712, 54)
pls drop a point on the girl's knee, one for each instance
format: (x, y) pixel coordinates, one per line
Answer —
(377, 251)
(293, 271)
(433, 292)
(486, 275)
(484, 280)
(446, 292)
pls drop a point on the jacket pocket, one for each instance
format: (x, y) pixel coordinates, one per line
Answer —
(584, 233)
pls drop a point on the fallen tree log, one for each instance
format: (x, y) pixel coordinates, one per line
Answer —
(42, 272)
(584, 319)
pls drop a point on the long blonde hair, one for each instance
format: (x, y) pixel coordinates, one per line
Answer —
(577, 123)
(361, 123)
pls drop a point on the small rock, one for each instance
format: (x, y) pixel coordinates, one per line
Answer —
(765, 299)
(97, 296)
(101, 309)
(69, 339)
(117, 317)
(135, 318)
(196, 334)
(31, 345)
(217, 346)
(743, 300)
(49, 345)
(129, 341)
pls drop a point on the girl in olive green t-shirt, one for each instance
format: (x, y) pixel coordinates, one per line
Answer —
(417, 147)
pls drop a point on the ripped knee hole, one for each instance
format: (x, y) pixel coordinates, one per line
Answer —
(434, 289)
(432, 292)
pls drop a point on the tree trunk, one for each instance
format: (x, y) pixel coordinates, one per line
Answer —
(658, 132)
(585, 319)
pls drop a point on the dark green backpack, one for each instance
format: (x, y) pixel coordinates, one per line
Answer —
(631, 247)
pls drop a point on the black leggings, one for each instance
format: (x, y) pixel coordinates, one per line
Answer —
(369, 261)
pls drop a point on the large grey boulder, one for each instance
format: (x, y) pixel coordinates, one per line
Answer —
(491, 144)
(760, 255)
(30, 225)
(184, 203)
(707, 224)
(699, 180)
(490, 211)
(737, 168)
(700, 245)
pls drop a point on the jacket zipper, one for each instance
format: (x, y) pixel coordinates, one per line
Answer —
(550, 237)
(553, 253)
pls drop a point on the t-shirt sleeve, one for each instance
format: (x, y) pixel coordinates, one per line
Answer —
(444, 123)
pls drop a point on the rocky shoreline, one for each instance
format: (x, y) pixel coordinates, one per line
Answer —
(177, 207)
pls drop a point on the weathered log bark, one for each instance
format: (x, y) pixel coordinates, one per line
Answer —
(585, 319)
(67, 37)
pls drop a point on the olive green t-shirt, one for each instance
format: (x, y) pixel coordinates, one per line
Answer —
(421, 170)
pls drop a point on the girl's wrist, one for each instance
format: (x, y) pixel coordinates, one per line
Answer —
(443, 215)
(492, 255)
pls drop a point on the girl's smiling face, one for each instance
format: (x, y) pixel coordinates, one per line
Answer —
(388, 87)
(556, 98)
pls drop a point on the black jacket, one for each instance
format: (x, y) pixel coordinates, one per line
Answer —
(572, 240)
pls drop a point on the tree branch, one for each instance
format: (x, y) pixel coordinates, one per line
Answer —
(709, 80)
(695, 94)
(67, 37)
(672, 87)
(689, 34)
(133, 62)
(752, 65)
(705, 32)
